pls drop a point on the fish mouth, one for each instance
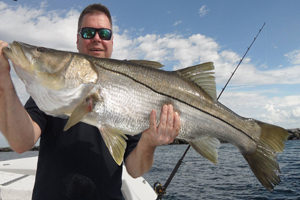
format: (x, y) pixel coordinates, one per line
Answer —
(7, 52)
(13, 52)
(17, 54)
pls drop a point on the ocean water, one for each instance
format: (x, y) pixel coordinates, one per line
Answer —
(230, 179)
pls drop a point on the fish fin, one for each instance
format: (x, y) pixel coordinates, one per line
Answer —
(147, 63)
(80, 111)
(202, 75)
(263, 160)
(115, 142)
(207, 147)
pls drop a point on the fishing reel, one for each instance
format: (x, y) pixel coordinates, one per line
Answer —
(159, 189)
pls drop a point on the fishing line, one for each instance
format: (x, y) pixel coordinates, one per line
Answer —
(158, 187)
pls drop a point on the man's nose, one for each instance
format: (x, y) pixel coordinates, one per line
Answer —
(97, 37)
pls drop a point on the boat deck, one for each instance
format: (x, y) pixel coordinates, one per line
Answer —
(17, 179)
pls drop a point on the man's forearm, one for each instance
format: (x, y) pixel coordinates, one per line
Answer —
(140, 160)
(15, 123)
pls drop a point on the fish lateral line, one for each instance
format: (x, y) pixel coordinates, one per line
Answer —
(177, 99)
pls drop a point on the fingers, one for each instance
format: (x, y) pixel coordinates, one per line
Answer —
(169, 125)
(2, 45)
(152, 123)
(163, 118)
(167, 129)
(164, 126)
(4, 65)
(170, 118)
(176, 124)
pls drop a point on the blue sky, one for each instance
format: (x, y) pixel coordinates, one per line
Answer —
(183, 33)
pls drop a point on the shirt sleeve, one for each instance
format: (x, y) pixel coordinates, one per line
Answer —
(131, 144)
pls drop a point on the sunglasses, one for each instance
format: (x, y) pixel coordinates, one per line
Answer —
(89, 33)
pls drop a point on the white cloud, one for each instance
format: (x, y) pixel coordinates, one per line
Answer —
(203, 10)
(170, 47)
(284, 110)
(57, 29)
(20, 87)
(54, 29)
(177, 23)
(230, 55)
(281, 111)
(2, 5)
(293, 56)
(296, 113)
(37, 26)
(196, 49)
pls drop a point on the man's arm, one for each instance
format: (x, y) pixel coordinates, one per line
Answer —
(15, 123)
(140, 160)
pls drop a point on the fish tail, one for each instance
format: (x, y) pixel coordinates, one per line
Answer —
(263, 161)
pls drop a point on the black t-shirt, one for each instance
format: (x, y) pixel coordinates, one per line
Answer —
(75, 164)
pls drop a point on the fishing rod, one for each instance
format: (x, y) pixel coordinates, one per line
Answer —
(158, 187)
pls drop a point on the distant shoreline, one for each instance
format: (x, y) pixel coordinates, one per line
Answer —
(8, 149)
(294, 134)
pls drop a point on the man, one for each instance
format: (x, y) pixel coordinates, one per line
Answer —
(76, 164)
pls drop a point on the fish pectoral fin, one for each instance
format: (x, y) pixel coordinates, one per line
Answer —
(80, 111)
(207, 147)
(115, 141)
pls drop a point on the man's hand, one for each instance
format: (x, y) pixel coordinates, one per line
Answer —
(4, 65)
(166, 131)
(140, 159)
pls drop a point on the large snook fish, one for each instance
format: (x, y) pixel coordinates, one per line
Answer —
(117, 97)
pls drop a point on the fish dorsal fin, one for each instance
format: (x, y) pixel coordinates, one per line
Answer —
(147, 63)
(202, 75)
(115, 142)
(207, 147)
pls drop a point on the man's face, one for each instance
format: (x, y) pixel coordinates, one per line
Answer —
(95, 46)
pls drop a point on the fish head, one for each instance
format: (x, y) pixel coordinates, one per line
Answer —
(41, 64)
(58, 81)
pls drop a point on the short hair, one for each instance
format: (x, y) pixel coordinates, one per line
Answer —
(93, 8)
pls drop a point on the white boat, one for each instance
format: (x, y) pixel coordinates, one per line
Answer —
(17, 179)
